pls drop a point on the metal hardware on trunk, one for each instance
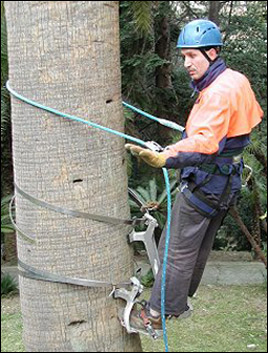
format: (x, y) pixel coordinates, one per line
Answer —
(131, 299)
(148, 239)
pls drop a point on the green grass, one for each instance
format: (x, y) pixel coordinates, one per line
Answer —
(225, 319)
(11, 325)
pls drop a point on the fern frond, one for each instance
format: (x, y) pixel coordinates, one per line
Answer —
(142, 15)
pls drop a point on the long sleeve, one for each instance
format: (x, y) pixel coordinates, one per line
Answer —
(206, 132)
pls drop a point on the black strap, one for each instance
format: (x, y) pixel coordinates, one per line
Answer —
(27, 237)
(196, 187)
(203, 197)
(73, 213)
(203, 51)
(40, 275)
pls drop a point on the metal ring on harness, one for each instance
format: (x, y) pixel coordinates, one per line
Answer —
(226, 169)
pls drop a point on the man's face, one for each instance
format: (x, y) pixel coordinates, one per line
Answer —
(195, 62)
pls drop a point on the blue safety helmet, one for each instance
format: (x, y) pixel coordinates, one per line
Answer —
(200, 34)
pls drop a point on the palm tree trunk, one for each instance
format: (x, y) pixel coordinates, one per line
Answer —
(65, 54)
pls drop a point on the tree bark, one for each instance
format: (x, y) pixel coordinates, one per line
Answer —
(65, 54)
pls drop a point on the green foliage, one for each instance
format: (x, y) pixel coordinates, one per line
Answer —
(6, 160)
(4, 62)
(148, 279)
(5, 113)
(142, 17)
(6, 225)
(229, 236)
(8, 285)
(154, 199)
(138, 58)
(5, 109)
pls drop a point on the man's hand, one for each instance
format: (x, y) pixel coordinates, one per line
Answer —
(154, 159)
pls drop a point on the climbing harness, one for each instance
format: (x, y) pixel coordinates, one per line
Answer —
(151, 145)
(228, 166)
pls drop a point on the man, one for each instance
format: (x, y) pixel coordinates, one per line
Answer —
(209, 155)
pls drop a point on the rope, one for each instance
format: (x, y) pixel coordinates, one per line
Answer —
(142, 143)
(164, 122)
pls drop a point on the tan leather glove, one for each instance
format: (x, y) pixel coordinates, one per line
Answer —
(154, 159)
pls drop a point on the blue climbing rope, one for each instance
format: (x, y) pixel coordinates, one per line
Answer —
(164, 122)
(142, 143)
(165, 259)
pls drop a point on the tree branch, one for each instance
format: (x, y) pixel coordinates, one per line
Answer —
(235, 214)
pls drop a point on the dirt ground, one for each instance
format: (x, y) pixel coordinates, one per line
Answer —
(10, 304)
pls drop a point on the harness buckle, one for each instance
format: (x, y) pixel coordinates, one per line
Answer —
(237, 159)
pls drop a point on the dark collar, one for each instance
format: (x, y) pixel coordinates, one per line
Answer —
(214, 70)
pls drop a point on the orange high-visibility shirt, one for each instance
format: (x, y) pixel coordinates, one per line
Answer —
(226, 108)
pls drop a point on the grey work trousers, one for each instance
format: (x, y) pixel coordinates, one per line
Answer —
(191, 240)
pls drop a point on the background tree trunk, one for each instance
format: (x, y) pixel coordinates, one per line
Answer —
(214, 11)
(65, 54)
(162, 48)
(164, 96)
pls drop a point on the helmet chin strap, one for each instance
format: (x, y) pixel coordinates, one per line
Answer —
(203, 51)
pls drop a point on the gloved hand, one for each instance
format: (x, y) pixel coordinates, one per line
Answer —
(154, 159)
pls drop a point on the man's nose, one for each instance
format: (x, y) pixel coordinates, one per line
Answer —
(187, 63)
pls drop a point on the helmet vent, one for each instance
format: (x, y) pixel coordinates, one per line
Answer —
(208, 29)
(200, 34)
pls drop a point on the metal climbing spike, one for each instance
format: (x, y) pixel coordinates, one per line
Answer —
(148, 239)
